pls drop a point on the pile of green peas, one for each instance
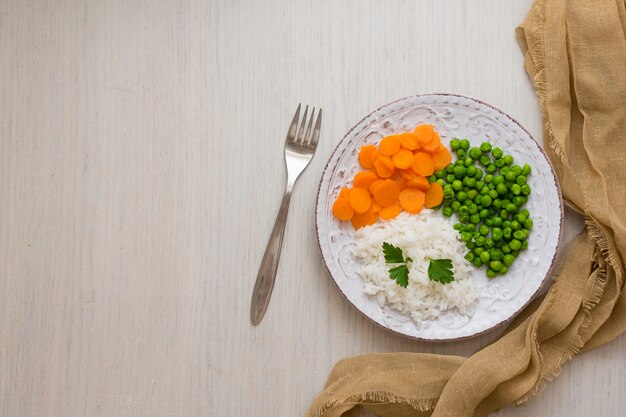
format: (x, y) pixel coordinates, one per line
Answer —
(488, 200)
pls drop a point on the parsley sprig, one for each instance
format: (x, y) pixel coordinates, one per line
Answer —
(394, 255)
(440, 270)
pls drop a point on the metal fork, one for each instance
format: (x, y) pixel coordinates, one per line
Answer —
(300, 146)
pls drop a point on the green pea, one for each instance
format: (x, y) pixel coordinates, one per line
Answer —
(450, 169)
(525, 212)
(503, 213)
(508, 260)
(463, 210)
(478, 250)
(480, 241)
(488, 222)
(504, 170)
(496, 234)
(508, 160)
(515, 244)
(501, 189)
(457, 185)
(485, 147)
(497, 221)
(497, 204)
(467, 162)
(440, 182)
(485, 201)
(461, 196)
(469, 256)
(498, 179)
(498, 244)
(484, 213)
(519, 235)
(466, 236)
(526, 169)
(470, 228)
(491, 186)
(479, 185)
(459, 171)
(484, 190)
(491, 273)
(485, 160)
(489, 243)
(517, 170)
(516, 189)
(450, 178)
(506, 223)
(528, 224)
(499, 163)
(510, 176)
(515, 253)
(477, 263)
(519, 201)
(471, 194)
(471, 170)
(491, 168)
(455, 144)
(507, 232)
(455, 206)
(457, 226)
(465, 144)
(511, 208)
(475, 218)
(470, 244)
(474, 153)
(505, 248)
(479, 174)
(493, 194)
(495, 265)
(447, 211)
(471, 182)
(515, 225)
(473, 209)
(525, 189)
(488, 178)
(520, 180)
(520, 217)
(461, 153)
(496, 255)
(485, 257)
(524, 245)
(483, 230)
(497, 153)
(448, 192)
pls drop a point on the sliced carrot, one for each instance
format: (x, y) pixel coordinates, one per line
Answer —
(360, 200)
(375, 207)
(389, 145)
(424, 133)
(407, 173)
(364, 179)
(423, 164)
(389, 212)
(342, 209)
(345, 192)
(441, 158)
(374, 185)
(433, 145)
(434, 196)
(365, 156)
(386, 193)
(384, 167)
(364, 219)
(403, 159)
(412, 200)
(402, 182)
(418, 182)
(409, 141)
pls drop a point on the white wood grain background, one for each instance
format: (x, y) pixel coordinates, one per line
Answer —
(140, 172)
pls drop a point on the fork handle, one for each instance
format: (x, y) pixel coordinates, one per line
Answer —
(269, 265)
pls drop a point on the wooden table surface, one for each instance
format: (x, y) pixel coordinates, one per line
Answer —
(141, 168)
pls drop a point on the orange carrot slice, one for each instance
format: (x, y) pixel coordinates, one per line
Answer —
(367, 156)
(409, 141)
(389, 145)
(374, 185)
(375, 207)
(412, 200)
(345, 192)
(403, 159)
(402, 182)
(384, 167)
(423, 164)
(364, 219)
(364, 179)
(441, 158)
(342, 209)
(424, 133)
(418, 182)
(386, 193)
(389, 212)
(408, 173)
(360, 200)
(434, 196)
(433, 145)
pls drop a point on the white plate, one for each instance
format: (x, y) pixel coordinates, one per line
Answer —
(453, 116)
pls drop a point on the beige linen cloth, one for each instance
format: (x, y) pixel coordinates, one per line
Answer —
(575, 54)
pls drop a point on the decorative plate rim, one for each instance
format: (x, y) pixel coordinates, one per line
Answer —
(548, 273)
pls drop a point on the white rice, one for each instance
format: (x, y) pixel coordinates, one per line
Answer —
(419, 236)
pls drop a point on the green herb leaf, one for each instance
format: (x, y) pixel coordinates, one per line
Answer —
(440, 270)
(393, 255)
(400, 274)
